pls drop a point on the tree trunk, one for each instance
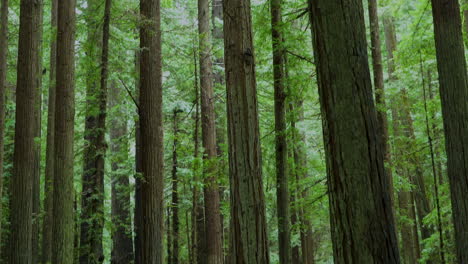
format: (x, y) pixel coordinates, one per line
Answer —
(92, 201)
(152, 185)
(122, 246)
(25, 130)
(63, 226)
(3, 73)
(175, 196)
(281, 148)
(213, 234)
(36, 211)
(358, 185)
(380, 93)
(453, 82)
(137, 216)
(249, 237)
(49, 167)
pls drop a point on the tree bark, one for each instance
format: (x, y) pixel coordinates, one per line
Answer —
(3, 74)
(358, 185)
(63, 213)
(380, 92)
(213, 234)
(122, 246)
(137, 216)
(281, 148)
(49, 167)
(21, 212)
(152, 185)
(249, 237)
(92, 201)
(453, 82)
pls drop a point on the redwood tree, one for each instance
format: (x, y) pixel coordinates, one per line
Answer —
(213, 234)
(361, 217)
(453, 80)
(151, 129)
(24, 148)
(249, 238)
(63, 211)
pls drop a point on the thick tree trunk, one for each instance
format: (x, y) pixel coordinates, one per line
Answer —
(21, 212)
(3, 73)
(213, 234)
(281, 148)
(358, 185)
(151, 127)
(453, 82)
(249, 236)
(63, 226)
(92, 201)
(122, 246)
(49, 166)
(175, 196)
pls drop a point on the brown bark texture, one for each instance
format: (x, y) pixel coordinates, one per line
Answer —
(213, 234)
(249, 237)
(63, 211)
(453, 83)
(151, 128)
(362, 221)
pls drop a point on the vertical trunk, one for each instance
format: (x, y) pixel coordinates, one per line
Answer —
(37, 140)
(122, 246)
(433, 163)
(137, 216)
(3, 73)
(453, 81)
(213, 234)
(49, 167)
(249, 236)
(63, 213)
(380, 92)
(175, 198)
(295, 225)
(151, 127)
(169, 236)
(281, 150)
(198, 223)
(92, 202)
(358, 185)
(25, 131)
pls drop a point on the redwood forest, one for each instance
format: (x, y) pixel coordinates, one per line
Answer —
(233, 131)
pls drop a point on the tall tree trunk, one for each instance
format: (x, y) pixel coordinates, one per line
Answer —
(92, 202)
(49, 166)
(249, 236)
(137, 216)
(358, 185)
(152, 185)
(63, 213)
(281, 148)
(213, 234)
(380, 92)
(25, 128)
(36, 211)
(3, 73)
(175, 196)
(122, 246)
(453, 82)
